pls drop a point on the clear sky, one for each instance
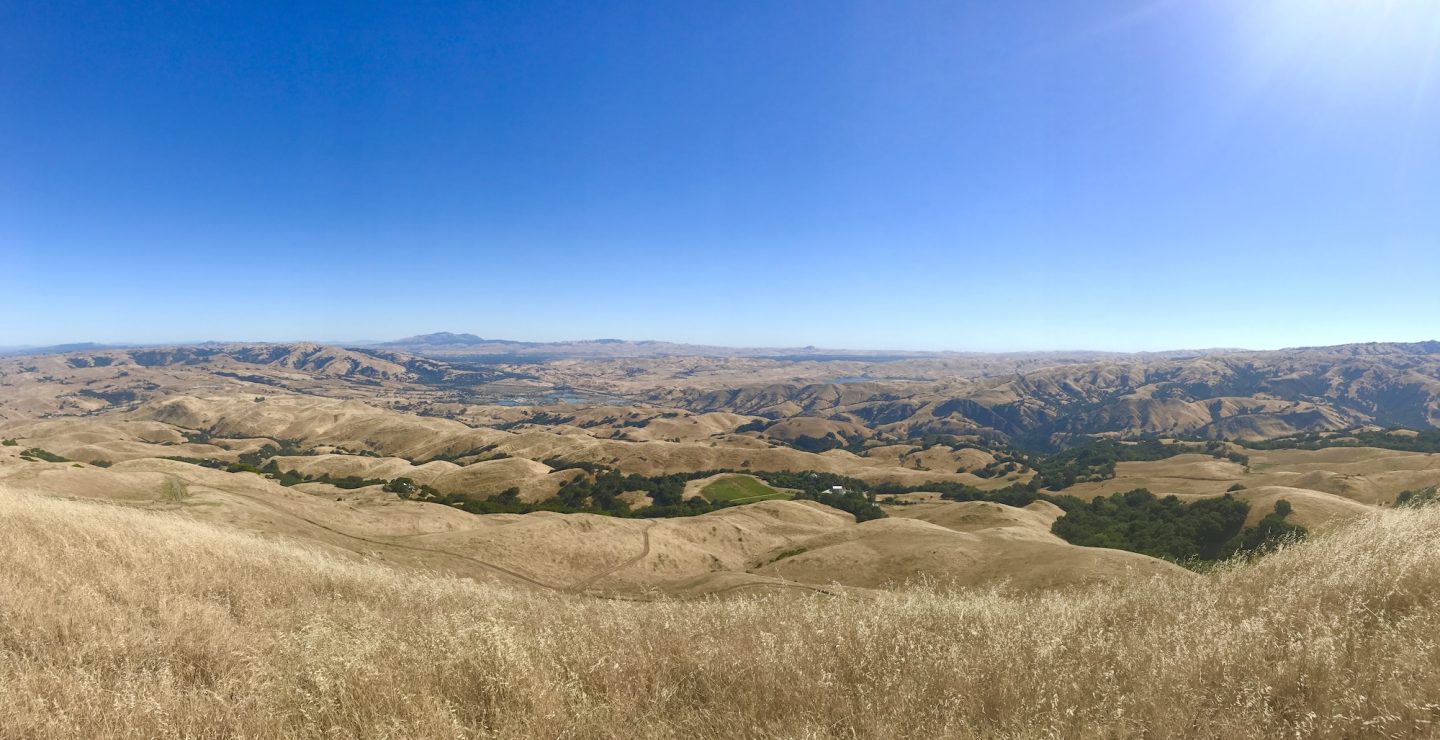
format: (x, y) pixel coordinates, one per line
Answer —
(1098, 174)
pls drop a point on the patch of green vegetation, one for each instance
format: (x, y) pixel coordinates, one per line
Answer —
(288, 478)
(741, 489)
(1422, 497)
(406, 487)
(1095, 461)
(854, 502)
(287, 448)
(479, 452)
(508, 502)
(1082, 463)
(1015, 494)
(857, 498)
(1193, 534)
(558, 464)
(759, 425)
(1390, 439)
(35, 453)
(291, 477)
(111, 397)
(348, 482)
(598, 492)
(1196, 533)
(10, 443)
(1270, 532)
(825, 443)
(776, 496)
(205, 462)
(544, 418)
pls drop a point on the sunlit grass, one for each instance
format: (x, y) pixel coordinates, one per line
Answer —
(742, 489)
(116, 623)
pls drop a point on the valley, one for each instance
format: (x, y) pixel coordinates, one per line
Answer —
(664, 473)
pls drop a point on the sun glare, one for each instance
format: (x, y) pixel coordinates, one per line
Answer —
(1364, 42)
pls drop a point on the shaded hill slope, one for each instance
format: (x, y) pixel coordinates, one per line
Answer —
(1235, 395)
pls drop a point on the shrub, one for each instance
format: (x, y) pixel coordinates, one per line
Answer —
(39, 454)
(404, 487)
(1421, 497)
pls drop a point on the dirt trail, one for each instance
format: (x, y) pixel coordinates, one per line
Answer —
(502, 570)
(585, 583)
(581, 586)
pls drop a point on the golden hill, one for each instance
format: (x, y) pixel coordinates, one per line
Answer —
(120, 623)
(240, 423)
(770, 544)
(1035, 399)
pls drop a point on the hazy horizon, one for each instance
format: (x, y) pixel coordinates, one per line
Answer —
(1119, 175)
(371, 341)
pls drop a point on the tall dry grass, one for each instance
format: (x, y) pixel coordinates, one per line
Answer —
(117, 623)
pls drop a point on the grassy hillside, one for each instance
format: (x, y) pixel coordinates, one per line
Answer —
(120, 623)
(741, 489)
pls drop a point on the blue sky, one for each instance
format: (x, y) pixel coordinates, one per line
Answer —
(971, 176)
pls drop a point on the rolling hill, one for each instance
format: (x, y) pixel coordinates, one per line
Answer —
(157, 625)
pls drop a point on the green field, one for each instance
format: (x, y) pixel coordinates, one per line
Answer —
(742, 489)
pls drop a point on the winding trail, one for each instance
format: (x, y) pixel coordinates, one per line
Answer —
(579, 587)
(767, 584)
(584, 583)
(502, 570)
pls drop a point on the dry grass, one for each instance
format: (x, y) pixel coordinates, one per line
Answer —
(120, 623)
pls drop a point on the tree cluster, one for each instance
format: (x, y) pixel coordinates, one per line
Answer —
(1209, 529)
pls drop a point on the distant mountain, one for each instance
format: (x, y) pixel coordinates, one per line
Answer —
(275, 360)
(445, 339)
(453, 345)
(59, 349)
